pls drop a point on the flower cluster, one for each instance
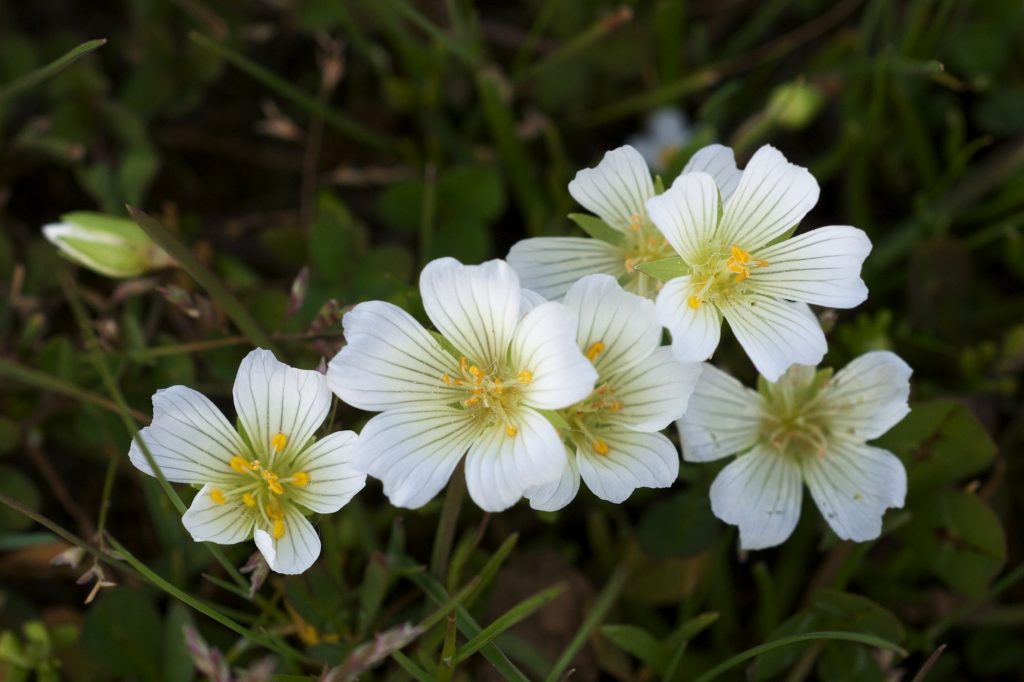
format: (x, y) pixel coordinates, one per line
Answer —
(549, 369)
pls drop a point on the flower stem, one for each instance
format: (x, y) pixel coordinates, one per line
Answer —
(447, 524)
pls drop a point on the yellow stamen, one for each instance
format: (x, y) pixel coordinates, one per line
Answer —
(463, 365)
(600, 446)
(239, 464)
(511, 431)
(278, 531)
(446, 379)
(274, 510)
(595, 349)
(525, 376)
(300, 479)
(471, 401)
(498, 388)
(272, 482)
(278, 442)
(694, 302)
(249, 500)
(739, 255)
(635, 222)
(616, 406)
(217, 495)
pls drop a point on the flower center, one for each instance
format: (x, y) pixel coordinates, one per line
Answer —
(493, 396)
(260, 488)
(721, 276)
(585, 418)
(796, 420)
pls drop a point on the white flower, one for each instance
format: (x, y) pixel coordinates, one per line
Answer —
(808, 427)
(503, 358)
(111, 246)
(666, 131)
(641, 389)
(738, 270)
(616, 190)
(264, 478)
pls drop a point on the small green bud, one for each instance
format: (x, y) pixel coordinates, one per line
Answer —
(794, 105)
(111, 246)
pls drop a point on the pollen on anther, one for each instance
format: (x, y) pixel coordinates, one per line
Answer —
(600, 446)
(300, 479)
(278, 530)
(278, 442)
(239, 464)
(511, 431)
(525, 376)
(694, 302)
(217, 495)
(249, 500)
(594, 350)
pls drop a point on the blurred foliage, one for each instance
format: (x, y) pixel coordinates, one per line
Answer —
(311, 154)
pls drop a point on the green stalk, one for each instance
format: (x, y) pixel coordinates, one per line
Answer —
(41, 74)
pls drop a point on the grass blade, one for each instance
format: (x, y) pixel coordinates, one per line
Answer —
(234, 309)
(52, 69)
(858, 637)
(517, 613)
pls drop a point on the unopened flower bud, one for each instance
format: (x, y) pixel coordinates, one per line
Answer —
(111, 246)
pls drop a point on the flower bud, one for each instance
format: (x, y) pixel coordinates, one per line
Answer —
(111, 246)
(794, 105)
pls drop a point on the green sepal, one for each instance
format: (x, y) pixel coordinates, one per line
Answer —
(556, 419)
(597, 228)
(659, 185)
(784, 236)
(664, 269)
(446, 344)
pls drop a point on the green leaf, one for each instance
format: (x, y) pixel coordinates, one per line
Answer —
(53, 68)
(941, 442)
(638, 642)
(664, 269)
(506, 620)
(597, 228)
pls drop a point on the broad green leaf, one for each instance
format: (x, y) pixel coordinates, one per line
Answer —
(664, 269)
(597, 228)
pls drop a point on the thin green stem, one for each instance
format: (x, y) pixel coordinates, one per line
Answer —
(447, 524)
(36, 77)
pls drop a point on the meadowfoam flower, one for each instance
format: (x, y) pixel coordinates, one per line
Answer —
(808, 427)
(502, 356)
(666, 132)
(738, 269)
(262, 479)
(616, 191)
(612, 434)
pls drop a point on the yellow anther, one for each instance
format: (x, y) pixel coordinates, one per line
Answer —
(694, 302)
(739, 255)
(274, 510)
(240, 465)
(300, 479)
(249, 500)
(278, 531)
(616, 406)
(498, 388)
(635, 222)
(217, 495)
(600, 446)
(595, 349)
(463, 365)
(278, 442)
(272, 482)
(525, 376)
(254, 465)
(471, 401)
(511, 431)
(446, 379)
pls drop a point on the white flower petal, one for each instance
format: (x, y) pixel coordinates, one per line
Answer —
(853, 484)
(549, 265)
(655, 392)
(869, 395)
(719, 162)
(272, 398)
(695, 331)
(820, 267)
(476, 307)
(623, 323)
(531, 299)
(634, 460)
(776, 334)
(687, 215)
(773, 195)
(413, 451)
(722, 418)
(501, 468)
(296, 550)
(761, 493)
(190, 439)
(224, 524)
(389, 360)
(332, 480)
(558, 493)
(616, 189)
(545, 346)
